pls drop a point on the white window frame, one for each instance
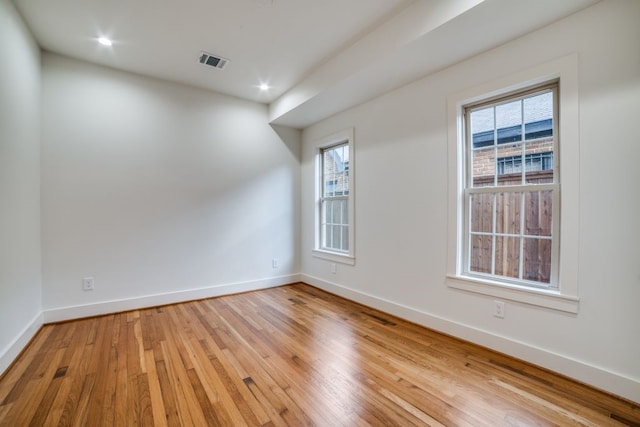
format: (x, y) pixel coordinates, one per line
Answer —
(521, 188)
(343, 137)
(563, 295)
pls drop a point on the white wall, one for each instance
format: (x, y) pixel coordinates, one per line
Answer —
(20, 277)
(160, 192)
(401, 204)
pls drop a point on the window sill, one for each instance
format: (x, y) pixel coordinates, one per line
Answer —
(539, 297)
(335, 257)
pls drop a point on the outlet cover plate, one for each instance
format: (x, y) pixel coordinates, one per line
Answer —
(88, 283)
(499, 309)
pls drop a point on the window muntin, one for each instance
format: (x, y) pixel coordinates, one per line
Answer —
(511, 211)
(334, 198)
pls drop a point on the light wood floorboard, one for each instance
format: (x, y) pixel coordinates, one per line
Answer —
(287, 356)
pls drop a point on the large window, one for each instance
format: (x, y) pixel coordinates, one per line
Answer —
(511, 215)
(513, 230)
(334, 218)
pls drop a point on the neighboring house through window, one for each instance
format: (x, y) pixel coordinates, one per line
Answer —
(534, 162)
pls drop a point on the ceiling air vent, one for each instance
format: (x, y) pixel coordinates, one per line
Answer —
(212, 60)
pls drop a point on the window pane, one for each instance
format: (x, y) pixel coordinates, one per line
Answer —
(482, 127)
(481, 250)
(345, 212)
(483, 169)
(343, 170)
(538, 116)
(343, 152)
(508, 206)
(509, 122)
(539, 161)
(336, 237)
(327, 220)
(509, 164)
(482, 212)
(323, 212)
(345, 238)
(538, 213)
(326, 237)
(336, 211)
(537, 260)
(508, 256)
(328, 174)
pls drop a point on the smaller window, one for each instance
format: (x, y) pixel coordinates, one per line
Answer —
(334, 211)
(334, 202)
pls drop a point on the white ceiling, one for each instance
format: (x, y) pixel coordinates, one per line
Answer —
(274, 41)
(319, 57)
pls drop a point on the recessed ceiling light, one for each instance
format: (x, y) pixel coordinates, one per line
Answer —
(264, 87)
(105, 41)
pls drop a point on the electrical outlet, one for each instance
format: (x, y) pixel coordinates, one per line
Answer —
(334, 268)
(88, 283)
(499, 309)
(275, 263)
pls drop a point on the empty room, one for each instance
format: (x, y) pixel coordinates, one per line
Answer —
(285, 212)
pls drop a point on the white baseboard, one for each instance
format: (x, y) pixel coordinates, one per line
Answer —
(581, 371)
(9, 354)
(108, 307)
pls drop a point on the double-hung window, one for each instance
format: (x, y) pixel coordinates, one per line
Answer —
(334, 215)
(512, 191)
(514, 186)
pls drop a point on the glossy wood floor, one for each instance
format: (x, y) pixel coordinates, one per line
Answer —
(292, 355)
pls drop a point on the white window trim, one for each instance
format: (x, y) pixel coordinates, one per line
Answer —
(343, 136)
(565, 296)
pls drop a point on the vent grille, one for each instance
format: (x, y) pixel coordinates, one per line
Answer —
(212, 60)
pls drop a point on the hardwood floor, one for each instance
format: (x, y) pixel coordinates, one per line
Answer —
(292, 355)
